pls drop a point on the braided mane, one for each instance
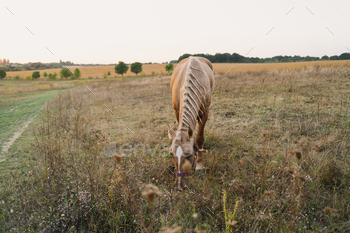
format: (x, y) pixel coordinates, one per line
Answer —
(192, 100)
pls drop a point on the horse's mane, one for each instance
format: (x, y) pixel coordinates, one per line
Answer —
(192, 96)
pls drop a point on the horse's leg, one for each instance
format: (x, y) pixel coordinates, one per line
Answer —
(200, 141)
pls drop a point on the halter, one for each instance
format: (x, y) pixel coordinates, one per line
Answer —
(195, 149)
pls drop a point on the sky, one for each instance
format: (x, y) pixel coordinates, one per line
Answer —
(106, 32)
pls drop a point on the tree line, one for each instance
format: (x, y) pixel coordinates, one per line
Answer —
(65, 72)
(237, 58)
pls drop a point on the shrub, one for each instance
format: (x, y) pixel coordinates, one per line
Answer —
(2, 73)
(36, 75)
(28, 77)
(90, 77)
(17, 77)
(169, 68)
(77, 73)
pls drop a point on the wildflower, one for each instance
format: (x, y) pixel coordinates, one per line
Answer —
(231, 223)
(150, 192)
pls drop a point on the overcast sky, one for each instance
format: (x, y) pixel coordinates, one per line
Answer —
(159, 30)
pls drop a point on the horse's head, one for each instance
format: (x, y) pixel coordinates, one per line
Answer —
(183, 151)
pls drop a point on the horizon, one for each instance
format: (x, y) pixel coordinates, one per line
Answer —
(155, 32)
(165, 62)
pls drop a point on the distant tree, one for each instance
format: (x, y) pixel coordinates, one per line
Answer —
(45, 74)
(335, 57)
(2, 73)
(325, 57)
(169, 68)
(65, 73)
(136, 67)
(121, 68)
(344, 56)
(109, 73)
(36, 75)
(77, 73)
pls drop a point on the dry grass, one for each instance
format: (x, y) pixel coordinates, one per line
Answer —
(98, 71)
(277, 141)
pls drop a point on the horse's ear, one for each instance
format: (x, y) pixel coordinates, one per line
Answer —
(171, 132)
(190, 132)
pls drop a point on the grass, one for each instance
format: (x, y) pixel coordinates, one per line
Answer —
(277, 141)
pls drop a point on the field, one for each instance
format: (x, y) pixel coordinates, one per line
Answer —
(98, 71)
(277, 157)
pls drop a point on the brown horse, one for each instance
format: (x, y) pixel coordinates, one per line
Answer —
(192, 84)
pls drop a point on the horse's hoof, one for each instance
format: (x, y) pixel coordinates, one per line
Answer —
(200, 171)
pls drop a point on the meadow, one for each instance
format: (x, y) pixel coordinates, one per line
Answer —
(277, 157)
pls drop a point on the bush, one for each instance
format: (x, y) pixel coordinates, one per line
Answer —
(169, 68)
(36, 75)
(77, 73)
(2, 73)
(53, 76)
(28, 77)
(17, 77)
(90, 77)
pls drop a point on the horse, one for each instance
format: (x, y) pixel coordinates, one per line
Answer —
(192, 84)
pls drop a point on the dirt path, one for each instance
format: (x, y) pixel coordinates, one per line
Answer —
(16, 135)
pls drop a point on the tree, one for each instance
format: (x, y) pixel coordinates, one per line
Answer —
(45, 74)
(65, 73)
(36, 74)
(109, 73)
(2, 74)
(53, 76)
(136, 67)
(121, 68)
(77, 73)
(169, 68)
(325, 57)
(344, 56)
